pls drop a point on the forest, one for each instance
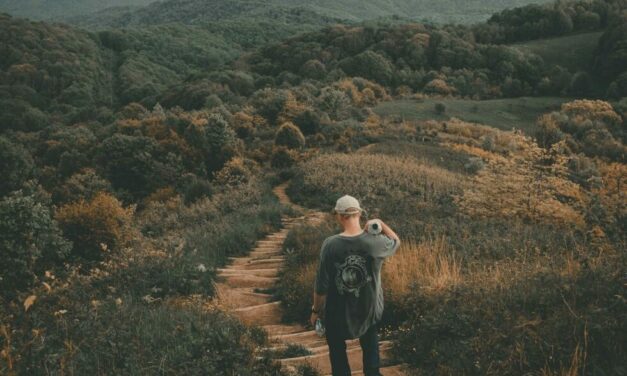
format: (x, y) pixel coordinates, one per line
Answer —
(138, 155)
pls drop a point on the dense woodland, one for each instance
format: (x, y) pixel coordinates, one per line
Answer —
(131, 156)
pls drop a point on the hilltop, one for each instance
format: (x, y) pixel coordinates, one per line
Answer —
(309, 12)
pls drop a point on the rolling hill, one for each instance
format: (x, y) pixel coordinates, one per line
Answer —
(47, 9)
(199, 11)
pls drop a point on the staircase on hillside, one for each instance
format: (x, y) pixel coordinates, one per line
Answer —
(237, 285)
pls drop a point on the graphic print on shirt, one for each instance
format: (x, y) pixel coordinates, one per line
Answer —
(351, 275)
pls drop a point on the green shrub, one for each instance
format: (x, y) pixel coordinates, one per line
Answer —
(196, 188)
(82, 185)
(283, 157)
(30, 241)
(16, 165)
(289, 136)
(135, 338)
(95, 226)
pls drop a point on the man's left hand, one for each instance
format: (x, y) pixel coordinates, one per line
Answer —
(313, 318)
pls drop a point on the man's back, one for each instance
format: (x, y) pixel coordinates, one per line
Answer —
(350, 274)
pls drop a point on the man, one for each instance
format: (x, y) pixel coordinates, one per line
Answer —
(348, 286)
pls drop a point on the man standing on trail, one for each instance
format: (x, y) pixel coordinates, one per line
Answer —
(348, 286)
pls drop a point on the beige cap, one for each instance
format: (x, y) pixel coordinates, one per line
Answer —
(347, 205)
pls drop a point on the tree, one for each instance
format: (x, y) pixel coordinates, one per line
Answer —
(215, 138)
(95, 225)
(289, 136)
(16, 166)
(136, 165)
(30, 241)
(370, 65)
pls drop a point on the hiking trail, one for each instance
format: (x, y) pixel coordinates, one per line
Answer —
(238, 287)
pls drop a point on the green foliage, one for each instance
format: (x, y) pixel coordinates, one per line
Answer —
(195, 189)
(611, 56)
(282, 157)
(77, 76)
(269, 103)
(82, 185)
(135, 165)
(369, 65)
(541, 21)
(16, 166)
(133, 338)
(30, 241)
(216, 140)
(96, 226)
(290, 136)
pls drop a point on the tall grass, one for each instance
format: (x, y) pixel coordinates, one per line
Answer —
(429, 264)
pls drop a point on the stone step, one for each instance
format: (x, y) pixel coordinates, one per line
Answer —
(263, 314)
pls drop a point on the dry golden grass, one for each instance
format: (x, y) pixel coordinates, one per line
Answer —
(429, 265)
(368, 176)
(522, 185)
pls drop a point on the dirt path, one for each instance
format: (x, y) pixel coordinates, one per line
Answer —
(239, 285)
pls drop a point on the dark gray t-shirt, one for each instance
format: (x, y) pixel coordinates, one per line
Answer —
(349, 274)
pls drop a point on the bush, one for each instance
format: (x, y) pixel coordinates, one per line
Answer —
(289, 136)
(96, 225)
(16, 165)
(440, 108)
(136, 165)
(283, 157)
(236, 171)
(82, 185)
(30, 241)
(133, 338)
(196, 188)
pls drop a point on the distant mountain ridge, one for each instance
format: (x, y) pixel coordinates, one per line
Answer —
(56, 9)
(121, 13)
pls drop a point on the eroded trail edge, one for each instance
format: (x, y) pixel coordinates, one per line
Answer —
(241, 289)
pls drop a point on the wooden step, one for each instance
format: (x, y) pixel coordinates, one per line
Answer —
(270, 272)
(263, 314)
(322, 363)
(282, 329)
(239, 297)
(242, 280)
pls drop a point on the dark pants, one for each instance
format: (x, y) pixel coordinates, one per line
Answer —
(337, 352)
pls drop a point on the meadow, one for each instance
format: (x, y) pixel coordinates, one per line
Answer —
(520, 113)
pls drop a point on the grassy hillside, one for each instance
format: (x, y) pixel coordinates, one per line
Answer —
(508, 113)
(574, 52)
